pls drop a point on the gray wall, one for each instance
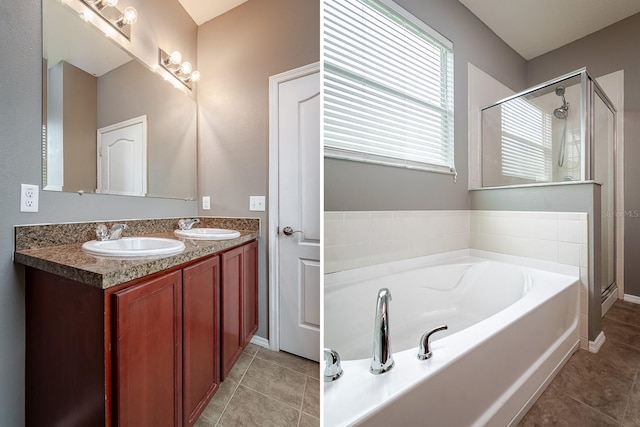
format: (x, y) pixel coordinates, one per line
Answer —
(608, 50)
(237, 52)
(357, 186)
(20, 123)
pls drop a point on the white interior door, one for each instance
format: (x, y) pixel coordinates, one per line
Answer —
(122, 158)
(298, 222)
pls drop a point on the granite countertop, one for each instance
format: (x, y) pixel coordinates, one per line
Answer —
(69, 261)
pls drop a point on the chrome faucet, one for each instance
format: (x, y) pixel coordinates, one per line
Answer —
(186, 224)
(382, 357)
(332, 368)
(102, 233)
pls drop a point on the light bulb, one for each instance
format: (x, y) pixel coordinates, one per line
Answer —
(175, 57)
(130, 15)
(186, 68)
(195, 76)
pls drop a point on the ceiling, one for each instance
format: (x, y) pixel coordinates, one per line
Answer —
(205, 10)
(534, 27)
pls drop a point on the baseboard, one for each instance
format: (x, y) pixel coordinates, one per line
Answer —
(262, 342)
(631, 298)
(608, 303)
(594, 346)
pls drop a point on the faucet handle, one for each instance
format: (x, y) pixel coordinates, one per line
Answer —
(424, 352)
(332, 369)
(102, 233)
(186, 224)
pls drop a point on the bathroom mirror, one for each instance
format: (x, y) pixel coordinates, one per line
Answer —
(95, 93)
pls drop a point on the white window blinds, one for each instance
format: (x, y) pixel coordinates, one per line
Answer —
(526, 141)
(388, 87)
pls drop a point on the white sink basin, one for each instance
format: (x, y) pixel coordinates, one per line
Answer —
(207, 234)
(134, 246)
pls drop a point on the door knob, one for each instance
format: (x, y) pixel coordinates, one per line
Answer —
(289, 231)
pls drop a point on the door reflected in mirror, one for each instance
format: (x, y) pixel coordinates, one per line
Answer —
(91, 85)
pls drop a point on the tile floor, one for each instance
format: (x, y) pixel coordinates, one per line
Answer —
(597, 389)
(266, 388)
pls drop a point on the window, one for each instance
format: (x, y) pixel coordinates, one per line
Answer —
(388, 87)
(526, 141)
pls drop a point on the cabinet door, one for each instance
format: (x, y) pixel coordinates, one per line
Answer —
(250, 292)
(201, 336)
(231, 339)
(148, 353)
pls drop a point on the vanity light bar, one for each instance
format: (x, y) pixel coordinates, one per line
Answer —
(183, 71)
(108, 11)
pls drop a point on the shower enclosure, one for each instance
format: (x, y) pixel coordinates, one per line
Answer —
(559, 132)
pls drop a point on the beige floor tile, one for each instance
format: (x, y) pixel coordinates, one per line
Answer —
(216, 406)
(240, 367)
(280, 383)
(250, 408)
(251, 349)
(311, 399)
(313, 370)
(284, 359)
(308, 421)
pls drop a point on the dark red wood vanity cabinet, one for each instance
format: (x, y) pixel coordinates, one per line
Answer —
(239, 311)
(250, 292)
(147, 352)
(201, 336)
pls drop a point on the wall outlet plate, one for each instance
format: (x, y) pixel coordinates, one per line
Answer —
(29, 195)
(257, 203)
(206, 203)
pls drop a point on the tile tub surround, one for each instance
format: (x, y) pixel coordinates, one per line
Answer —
(560, 237)
(362, 238)
(56, 248)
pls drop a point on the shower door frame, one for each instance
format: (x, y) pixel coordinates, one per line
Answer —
(591, 89)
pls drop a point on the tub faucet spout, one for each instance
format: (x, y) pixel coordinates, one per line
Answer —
(382, 356)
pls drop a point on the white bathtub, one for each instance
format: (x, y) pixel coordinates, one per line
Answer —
(512, 323)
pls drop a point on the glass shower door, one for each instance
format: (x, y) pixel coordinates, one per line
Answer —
(603, 140)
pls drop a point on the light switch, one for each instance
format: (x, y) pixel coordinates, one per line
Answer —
(257, 203)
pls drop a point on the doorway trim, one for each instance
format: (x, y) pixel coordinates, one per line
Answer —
(140, 120)
(274, 214)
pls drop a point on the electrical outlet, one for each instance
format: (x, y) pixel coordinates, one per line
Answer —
(256, 203)
(206, 203)
(29, 197)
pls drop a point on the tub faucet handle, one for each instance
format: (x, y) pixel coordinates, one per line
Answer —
(424, 352)
(332, 368)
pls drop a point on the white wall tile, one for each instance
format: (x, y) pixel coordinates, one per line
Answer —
(569, 253)
(569, 231)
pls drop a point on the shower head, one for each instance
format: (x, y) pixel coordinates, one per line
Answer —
(561, 112)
